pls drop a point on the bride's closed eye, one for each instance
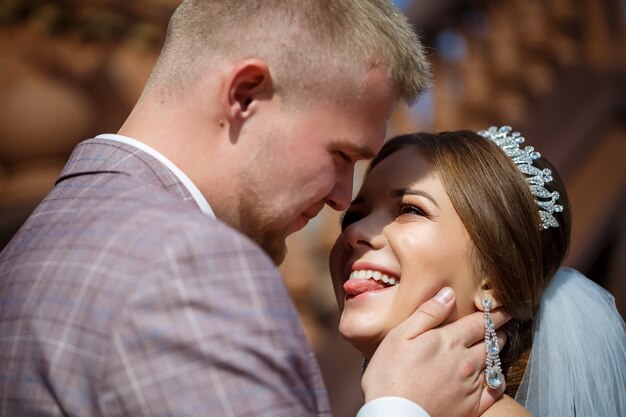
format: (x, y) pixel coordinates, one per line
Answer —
(349, 217)
(406, 209)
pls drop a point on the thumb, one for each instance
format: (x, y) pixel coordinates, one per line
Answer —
(429, 315)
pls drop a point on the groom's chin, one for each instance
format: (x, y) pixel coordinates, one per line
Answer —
(272, 243)
(275, 249)
(279, 255)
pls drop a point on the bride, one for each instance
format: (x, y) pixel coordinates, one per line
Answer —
(480, 214)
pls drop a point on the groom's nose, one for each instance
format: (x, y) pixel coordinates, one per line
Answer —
(341, 194)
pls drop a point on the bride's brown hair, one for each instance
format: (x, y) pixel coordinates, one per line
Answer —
(511, 253)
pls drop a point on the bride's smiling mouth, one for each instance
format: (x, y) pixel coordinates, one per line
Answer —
(368, 278)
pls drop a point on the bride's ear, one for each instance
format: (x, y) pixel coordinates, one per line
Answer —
(485, 291)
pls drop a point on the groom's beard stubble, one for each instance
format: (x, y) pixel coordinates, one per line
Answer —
(256, 220)
(258, 226)
(271, 241)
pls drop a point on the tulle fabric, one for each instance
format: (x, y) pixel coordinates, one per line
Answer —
(578, 361)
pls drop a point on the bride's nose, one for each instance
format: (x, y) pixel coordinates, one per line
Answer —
(366, 232)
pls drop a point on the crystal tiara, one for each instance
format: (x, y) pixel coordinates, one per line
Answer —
(510, 143)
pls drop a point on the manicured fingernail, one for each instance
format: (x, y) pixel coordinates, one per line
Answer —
(444, 296)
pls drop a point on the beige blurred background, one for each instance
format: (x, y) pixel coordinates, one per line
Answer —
(553, 69)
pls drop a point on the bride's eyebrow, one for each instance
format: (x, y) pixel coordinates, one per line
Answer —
(404, 191)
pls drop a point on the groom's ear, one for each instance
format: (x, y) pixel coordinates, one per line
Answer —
(248, 84)
(485, 291)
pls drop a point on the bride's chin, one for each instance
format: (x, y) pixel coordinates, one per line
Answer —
(364, 343)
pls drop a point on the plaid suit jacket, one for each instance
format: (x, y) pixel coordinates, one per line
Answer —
(118, 297)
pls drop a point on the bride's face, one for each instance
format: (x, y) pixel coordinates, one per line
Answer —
(402, 227)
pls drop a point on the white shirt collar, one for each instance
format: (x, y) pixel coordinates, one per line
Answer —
(184, 179)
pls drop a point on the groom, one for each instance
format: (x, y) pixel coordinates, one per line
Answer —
(142, 285)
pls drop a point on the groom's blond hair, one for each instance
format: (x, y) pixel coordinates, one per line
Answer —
(313, 47)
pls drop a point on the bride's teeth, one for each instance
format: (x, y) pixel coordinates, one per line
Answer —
(366, 274)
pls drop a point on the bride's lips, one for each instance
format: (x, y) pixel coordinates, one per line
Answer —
(372, 279)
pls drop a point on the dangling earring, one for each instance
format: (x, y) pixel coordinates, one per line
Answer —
(364, 363)
(493, 370)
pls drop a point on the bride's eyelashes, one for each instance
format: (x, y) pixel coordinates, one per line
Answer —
(409, 209)
(404, 209)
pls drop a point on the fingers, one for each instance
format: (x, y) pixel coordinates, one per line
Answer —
(478, 352)
(489, 396)
(478, 356)
(471, 329)
(499, 317)
(501, 338)
(429, 315)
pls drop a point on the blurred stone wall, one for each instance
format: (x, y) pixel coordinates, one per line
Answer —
(68, 71)
(554, 69)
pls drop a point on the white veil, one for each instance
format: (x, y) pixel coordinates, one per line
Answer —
(577, 365)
